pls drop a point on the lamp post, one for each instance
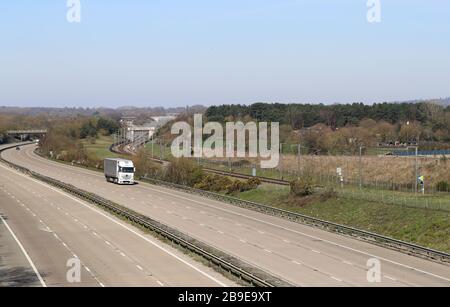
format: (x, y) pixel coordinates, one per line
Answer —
(299, 157)
(281, 161)
(360, 167)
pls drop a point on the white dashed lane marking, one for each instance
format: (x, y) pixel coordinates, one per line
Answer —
(389, 277)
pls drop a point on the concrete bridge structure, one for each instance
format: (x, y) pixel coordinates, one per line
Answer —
(27, 134)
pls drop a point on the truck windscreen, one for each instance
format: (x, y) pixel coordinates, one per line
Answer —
(126, 169)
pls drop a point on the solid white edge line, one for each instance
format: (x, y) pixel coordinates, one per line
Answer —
(25, 253)
(123, 226)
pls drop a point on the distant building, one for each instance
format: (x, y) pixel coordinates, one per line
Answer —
(127, 121)
(162, 120)
(139, 134)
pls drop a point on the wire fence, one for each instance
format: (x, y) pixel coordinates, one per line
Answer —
(435, 153)
(360, 187)
(374, 171)
(435, 202)
(387, 193)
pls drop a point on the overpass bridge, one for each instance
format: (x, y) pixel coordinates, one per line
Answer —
(26, 134)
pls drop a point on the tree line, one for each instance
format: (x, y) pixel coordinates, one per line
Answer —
(343, 128)
(65, 135)
(340, 115)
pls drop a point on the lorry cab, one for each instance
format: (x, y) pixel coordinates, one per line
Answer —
(119, 171)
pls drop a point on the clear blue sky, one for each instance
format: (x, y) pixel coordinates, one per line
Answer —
(178, 52)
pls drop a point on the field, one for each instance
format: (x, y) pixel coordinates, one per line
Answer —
(374, 168)
(384, 172)
(100, 149)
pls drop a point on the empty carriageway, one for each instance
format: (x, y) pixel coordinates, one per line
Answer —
(300, 254)
(43, 228)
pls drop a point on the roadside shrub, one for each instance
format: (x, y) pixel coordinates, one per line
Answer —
(253, 183)
(183, 171)
(243, 186)
(214, 183)
(235, 187)
(146, 167)
(74, 152)
(217, 183)
(301, 187)
(304, 185)
(327, 194)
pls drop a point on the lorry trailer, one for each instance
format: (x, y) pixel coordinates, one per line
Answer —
(119, 171)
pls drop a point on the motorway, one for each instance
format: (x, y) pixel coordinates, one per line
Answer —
(302, 255)
(42, 229)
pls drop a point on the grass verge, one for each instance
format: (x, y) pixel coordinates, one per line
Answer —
(419, 226)
(100, 148)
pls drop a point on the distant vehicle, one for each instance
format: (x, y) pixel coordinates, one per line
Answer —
(17, 148)
(119, 171)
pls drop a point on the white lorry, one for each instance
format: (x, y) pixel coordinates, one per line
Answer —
(119, 171)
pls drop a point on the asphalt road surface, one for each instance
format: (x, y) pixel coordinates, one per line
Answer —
(46, 235)
(300, 254)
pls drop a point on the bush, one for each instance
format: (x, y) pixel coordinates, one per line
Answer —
(443, 186)
(184, 172)
(327, 194)
(254, 183)
(146, 167)
(88, 129)
(235, 187)
(243, 186)
(303, 186)
(109, 126)
(217, 183)
(214, 183)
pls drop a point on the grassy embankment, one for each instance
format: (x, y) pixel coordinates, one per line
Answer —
(424, 227)
(156, 149)
(100, 149)
(420, 226)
